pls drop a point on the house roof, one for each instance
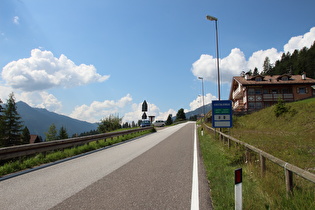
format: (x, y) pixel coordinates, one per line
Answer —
(33, 138)
(270, 80)
(275, 79)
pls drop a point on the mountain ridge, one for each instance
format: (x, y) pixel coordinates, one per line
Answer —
(38, 121)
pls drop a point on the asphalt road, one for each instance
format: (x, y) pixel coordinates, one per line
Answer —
(152, 172)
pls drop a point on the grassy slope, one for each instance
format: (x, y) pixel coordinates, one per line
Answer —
(290, 138)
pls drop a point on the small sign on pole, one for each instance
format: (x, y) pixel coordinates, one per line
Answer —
(222, 114)
(238, 189)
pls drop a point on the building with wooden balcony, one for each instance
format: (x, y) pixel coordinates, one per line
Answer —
(251, 93)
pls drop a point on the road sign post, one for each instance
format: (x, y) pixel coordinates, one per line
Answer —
(222, 114)
(238, 189)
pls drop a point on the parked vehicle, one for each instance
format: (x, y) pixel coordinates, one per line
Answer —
(159, 123)
(145, 123)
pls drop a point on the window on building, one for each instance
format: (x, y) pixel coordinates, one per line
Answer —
(258, 91)
(251, 105)
(302, 90)
(259, 105)
(274, 91)
(286, 90)
(257, 79)
(251, 91)
(266, 91)
(284, 78)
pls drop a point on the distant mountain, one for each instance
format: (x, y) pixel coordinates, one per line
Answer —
(199, 111)
(39, 120)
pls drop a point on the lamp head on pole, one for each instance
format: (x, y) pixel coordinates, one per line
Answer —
(211, 18)
(200, 77)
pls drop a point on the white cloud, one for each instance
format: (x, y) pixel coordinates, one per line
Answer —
(41, 99)
(206, 66)
(299, 42)
(98, 110)
(236, 62)
(208, 98)
(5, 92)
(43, 71)
(257, 59)
(153, 110)
(16, 20)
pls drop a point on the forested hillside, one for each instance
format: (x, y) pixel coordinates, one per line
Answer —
(296, 63)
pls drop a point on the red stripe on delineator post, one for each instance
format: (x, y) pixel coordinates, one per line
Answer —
(238, 176)
(238, 188)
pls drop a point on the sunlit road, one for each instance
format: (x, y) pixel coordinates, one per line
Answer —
(152, 172)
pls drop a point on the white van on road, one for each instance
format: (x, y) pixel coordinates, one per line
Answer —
(159, 123)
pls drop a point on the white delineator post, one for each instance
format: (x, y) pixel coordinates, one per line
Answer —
(238, 189)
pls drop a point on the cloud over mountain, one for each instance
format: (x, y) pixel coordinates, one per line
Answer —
(44, 71)
(100, 109)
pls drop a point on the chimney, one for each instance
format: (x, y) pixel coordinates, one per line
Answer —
(304, 75)
(247, 76)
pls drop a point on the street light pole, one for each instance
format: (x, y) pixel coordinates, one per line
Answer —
(203, 100)
(217, 45)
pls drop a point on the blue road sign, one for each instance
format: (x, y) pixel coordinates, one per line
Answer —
(222, 114)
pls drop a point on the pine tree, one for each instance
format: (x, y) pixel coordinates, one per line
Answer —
(25, 136)
(255, 73)
(169, 120)
(63, 133)
(52, 133)
(2, 126)
(180, 116)
(12, 123)
(267, 67)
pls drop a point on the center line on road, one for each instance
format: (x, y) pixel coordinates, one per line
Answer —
(195, 184)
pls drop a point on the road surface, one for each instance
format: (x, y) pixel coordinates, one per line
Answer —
(151, 172)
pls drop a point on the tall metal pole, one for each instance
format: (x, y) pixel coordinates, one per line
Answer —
(217, 51)
(219, 87)
(203, 100)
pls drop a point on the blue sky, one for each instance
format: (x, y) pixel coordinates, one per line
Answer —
(90, 58)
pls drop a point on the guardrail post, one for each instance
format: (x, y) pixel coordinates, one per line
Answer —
(289, 181)
(262, 164)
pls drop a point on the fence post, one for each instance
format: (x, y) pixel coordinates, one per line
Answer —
(248, 155)
(262, 164)
(288, 181)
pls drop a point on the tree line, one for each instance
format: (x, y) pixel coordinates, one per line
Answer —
(13, 132)
(295, 64)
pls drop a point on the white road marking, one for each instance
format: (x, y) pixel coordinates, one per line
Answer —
(195, 184)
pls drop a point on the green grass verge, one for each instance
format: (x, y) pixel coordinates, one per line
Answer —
(259, 192)
(39, 159)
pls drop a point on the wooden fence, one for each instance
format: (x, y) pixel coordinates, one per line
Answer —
(289, 168)
(30, 149)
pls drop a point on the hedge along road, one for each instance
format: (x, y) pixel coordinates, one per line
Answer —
(152, 172)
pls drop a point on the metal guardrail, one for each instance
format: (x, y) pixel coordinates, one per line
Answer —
(289, 168)
(30, 149)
